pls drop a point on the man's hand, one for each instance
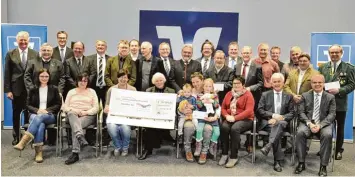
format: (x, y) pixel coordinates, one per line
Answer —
(272, 121)
(83, 113)
(297, 98)
(315, 128)
(333, 91)
(9, 95)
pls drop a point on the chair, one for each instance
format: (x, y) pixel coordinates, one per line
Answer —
(27, 124)
(64, 124)
(252, 133)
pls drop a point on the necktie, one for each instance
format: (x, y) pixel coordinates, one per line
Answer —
(278, 103)
(205, 65)
(335, 67)
(23, 59)
(244, 70)
(185, 70)
(100, 78)
(232, 63)
(62, 54)
(79, 62)
(316, 109)
(166, 66)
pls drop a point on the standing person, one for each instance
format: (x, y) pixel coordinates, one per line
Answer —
(233, 55)
(62, 52)
(295, 52)
(337, 70)
(14, 85)
(165, 63)
(207, 50)
(134, 49)
(275, 53)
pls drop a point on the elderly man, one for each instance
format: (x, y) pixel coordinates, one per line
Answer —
(207, 50)
(233, 57)
(14, 85)
(221, 74)
(276, 110)
(337, 70)
(317, 113)
(275, 53)
(62, 52)
(295, 52)
(122, 61)
(165, 63)
(268, 66)
(180, 73)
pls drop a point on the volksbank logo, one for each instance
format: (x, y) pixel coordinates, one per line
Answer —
(181, 27)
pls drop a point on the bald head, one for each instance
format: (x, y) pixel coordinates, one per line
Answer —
(317, 83)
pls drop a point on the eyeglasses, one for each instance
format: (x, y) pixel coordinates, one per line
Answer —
(44, 76)
(83, 81)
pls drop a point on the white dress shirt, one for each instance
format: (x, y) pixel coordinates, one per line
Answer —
(65, 50)
(203, 60)
(232, 62)
(300, 78)
(98, 69)
(167, 61)
(43, 92)
(337, 65)
(134, 57)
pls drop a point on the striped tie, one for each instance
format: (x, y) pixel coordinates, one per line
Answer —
(100, 79)
(316, 109)
(166, 66)
(205, 66)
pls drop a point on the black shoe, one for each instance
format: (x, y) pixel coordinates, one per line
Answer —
(288, 150)
(266, 149)
(82, 141)
(277, 166)
(300, 168)
(72, 159)
(15, 141)
(145, 154)
(338, 156)
(318, 154)
(322, 171)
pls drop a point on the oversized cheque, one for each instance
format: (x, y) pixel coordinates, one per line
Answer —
(143, 109)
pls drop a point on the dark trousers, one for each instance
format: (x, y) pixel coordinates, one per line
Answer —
(18, 104)
(152, 138)
(275, 137)
(101, 94)
(340, 117)
(233, 129)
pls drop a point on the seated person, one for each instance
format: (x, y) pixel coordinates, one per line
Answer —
(185, 100)
(43, 103)
(237, 115)
(276, 111)
(81, 106)
(317, 114)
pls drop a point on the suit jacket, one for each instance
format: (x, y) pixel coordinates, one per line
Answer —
(177, 76)
(345, 74)
(161, 69)
(54, 101)
(94, 68)
(72, 70)
(266, 107)
(113, 67)
(68, 53)
(211, 65)
(166, 90)
(239, 60)
(14, 71)
(327, 108)
(254, 79)
(153, 70)
(225, 75)
(292, 81)
(281, 64)
(56, 70)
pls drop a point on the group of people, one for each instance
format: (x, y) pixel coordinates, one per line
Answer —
(262, 88)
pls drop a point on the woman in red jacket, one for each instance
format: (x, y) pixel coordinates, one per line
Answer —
(238, 115)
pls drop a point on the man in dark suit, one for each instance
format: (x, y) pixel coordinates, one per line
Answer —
(295, 53)
(146, 67)
(134, 50)
(221, 74)
(233, 57)
(344, 73)
(275, 52)
(207, 50)
(317, 113)
(276, 111)
(165, 63)
(181, 71)
(55, 68)
(252, 74)
(62, 52)
(14, 86)
(97, 62)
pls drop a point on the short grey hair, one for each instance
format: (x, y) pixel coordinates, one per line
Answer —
(158, 75)
(148, 44)
(278, 76)
(187, 46)
(23, 34)
(46, 45)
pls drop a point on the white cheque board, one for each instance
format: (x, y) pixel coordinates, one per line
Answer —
(143, 109)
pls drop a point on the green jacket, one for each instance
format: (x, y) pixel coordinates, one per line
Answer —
(345, 74)
(112, 69)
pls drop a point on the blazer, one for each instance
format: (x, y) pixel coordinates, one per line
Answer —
(68, 53)
(56, 70)
(292, 81)
(327, 108)
(266, 107)
(94, 68)
(153, 70)
(14, 71)
(112, 69)
(254, 78)
(54, 101)
(345, 74)
(161, 68)
(211, 65)
(177, 76)
(166, 90)
(72, 70)
(225, 75)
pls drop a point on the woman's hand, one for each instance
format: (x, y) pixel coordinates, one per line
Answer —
(230, 118)
(42, 111)
(83, 113)
(211, 119)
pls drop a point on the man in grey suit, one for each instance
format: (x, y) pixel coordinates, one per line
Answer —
(14, 86)
(221, 74)
(233, 57)
(252, 74)
(165, 63)
(62, 52)
(276, 110)
(207, 50)
(317, 114)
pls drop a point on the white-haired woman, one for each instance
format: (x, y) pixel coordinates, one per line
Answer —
(152, 136)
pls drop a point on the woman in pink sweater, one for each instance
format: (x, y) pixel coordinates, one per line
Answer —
(81, 106)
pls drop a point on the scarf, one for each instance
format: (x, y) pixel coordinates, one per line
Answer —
(236, 95)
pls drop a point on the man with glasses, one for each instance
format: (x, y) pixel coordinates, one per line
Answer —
(344, 74)
(62, 52)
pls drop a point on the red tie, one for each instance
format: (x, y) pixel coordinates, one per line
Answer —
(244, 70)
